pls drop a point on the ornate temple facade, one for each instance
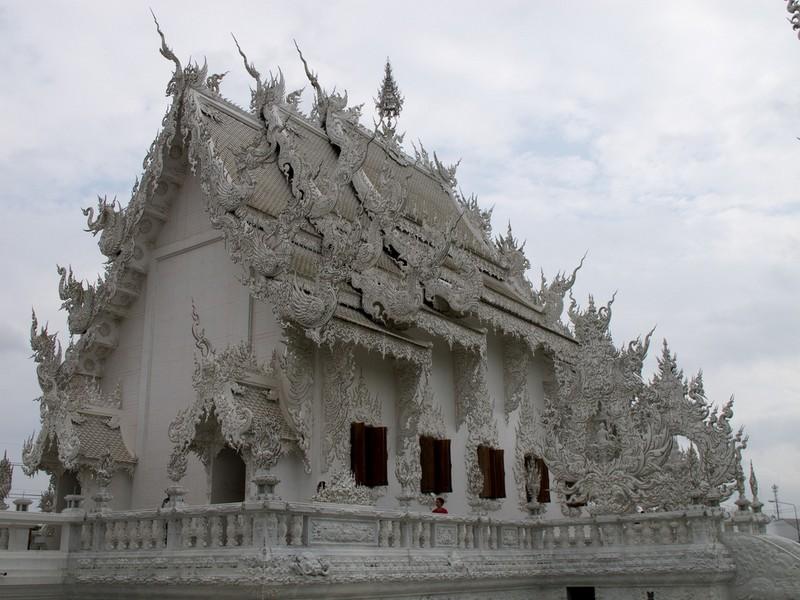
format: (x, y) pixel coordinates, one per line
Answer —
(303, 336)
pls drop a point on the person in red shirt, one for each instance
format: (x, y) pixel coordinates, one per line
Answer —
(440, 506)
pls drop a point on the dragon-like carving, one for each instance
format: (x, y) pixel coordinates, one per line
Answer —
(80, 302)
(551, 295)
(56, 406)
(512, 252)
(110, 223)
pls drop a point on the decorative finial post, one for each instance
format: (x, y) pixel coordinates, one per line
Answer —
(389, 101)
(756, 504)
(741, 502)
(6, 471)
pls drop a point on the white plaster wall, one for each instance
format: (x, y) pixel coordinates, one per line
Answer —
(203, 273)
(187, 216)
(123, 368)
(266, 335)
(189, 262)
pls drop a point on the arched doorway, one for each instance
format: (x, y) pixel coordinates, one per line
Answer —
(228, 477)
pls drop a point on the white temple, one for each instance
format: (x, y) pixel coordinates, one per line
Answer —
(303, 336)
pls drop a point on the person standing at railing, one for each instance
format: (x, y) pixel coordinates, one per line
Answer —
(439, 508)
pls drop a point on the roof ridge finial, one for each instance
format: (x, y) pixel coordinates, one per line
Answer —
(389, 101)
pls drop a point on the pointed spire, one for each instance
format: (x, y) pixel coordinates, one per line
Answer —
(389, 101)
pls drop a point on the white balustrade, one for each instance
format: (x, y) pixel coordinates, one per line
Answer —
(274, 523)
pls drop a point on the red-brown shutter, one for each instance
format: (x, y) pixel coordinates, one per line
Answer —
(377, 456)
(443, 479)
(544, 482)
(498, 474)
(358, 458)
(427, 461)
(485, 465)
(527, 463)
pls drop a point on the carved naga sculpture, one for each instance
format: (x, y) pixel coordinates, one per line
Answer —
(79, 302)
(513, 253)
(46, 355)
(110, 224)
(551, 296)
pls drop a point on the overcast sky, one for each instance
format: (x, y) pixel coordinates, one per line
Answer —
(659, 136)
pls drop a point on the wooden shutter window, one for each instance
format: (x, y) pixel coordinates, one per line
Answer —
(443, 467)
(498, 474)
(358, 456)
(544, 482)
(427, 461)
(377, 456)
(485, 465)
(527, 462)
(490, 462)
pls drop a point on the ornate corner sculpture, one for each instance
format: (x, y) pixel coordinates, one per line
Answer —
(610, 437)
(57, 407)
(6, 471)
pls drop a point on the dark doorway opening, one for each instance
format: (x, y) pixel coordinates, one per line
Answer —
(580, 593)
(228, 477)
